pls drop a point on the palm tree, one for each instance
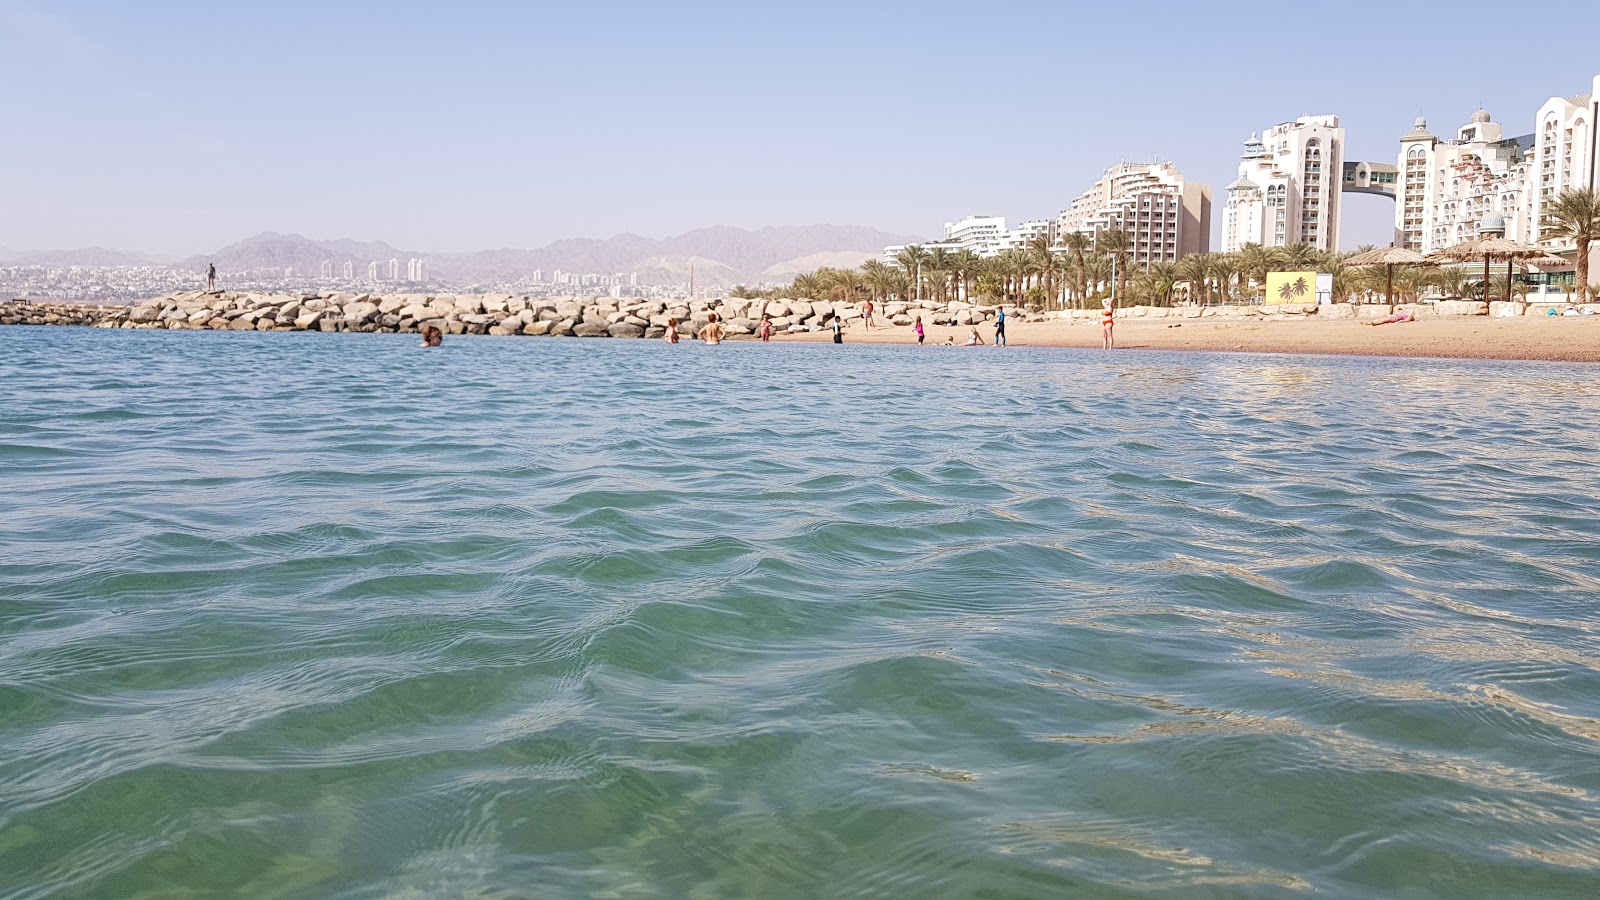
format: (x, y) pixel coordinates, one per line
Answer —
(1044, 263)
(1254, 263)
(1575, 216)
(1163, 278)
(937, 269)
(1097, 269)
(967, 264)
(1078, 243)
(808, 287)
(1194, 269)
(1223, 268)
(912, 259)
(1115, 242)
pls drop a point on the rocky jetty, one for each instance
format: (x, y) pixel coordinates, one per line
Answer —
(497, 314)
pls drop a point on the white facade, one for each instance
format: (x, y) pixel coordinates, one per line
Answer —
(1448, 187)
(1288, 190)
(1164, 216)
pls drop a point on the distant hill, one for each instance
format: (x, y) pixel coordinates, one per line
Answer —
(271, 250)
(722, 256)
(87, 256)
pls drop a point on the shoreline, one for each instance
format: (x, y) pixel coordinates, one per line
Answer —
(1449, 330)
(1530, 338)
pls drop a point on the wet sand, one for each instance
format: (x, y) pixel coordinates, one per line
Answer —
(1558, 338)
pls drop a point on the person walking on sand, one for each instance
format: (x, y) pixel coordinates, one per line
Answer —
(1107, 324)
(838, 329)
(1000, 327)
(917, 327)
(671, 335)
(211, 276)
(866, 314)
(764, 330)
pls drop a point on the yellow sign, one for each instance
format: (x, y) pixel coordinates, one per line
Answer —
(1291, 287)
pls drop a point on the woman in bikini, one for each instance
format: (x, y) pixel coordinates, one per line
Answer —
(1107, 324)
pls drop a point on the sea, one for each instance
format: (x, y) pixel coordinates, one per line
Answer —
(308, 615)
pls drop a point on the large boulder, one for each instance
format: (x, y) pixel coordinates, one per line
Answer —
(625, 330)
(540, 326)
(144, 313)
(1461, 308)
(495, 303)
(776, 308)
(391, 304)
(467, 305)
(588, 328)
(360, 312)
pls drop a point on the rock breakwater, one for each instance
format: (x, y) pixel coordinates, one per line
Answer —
(496, 314)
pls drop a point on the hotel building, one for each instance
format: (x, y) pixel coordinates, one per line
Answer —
(1164, 216)
(1447, 188)
(1288, 189)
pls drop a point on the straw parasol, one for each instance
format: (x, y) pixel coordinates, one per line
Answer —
(1490, 247)
(1389, 257)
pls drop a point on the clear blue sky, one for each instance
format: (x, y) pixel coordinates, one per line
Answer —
(178, 127)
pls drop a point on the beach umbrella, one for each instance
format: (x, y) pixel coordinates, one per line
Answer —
(1389, 257)
(1496, 249)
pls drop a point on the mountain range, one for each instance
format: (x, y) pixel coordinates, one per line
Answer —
(721, 256)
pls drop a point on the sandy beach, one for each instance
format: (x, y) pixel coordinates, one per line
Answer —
(1559, 338)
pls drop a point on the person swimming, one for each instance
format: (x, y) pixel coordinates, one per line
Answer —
(432, 336)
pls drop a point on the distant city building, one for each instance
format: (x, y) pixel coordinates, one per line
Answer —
(417, 270)
(327, 268)
(394, 270)
(349, 270)
(1289, 187)
(372, 271)
(1164, 216)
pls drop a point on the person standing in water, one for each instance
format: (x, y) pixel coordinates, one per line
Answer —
(764, 330)
(671, 335)
(712, 333)
(211, 276)
(1000, 327)
(1107, 323)
(432, 336)
(838, 329)
(917, 327)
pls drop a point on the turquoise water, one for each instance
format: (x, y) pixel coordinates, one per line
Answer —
(303, 615)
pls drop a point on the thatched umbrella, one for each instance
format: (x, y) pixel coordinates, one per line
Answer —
(1489, 247)
(1389, 257)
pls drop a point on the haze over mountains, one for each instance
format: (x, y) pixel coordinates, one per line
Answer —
(721, 255)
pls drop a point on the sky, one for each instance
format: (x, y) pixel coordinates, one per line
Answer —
(179, 127)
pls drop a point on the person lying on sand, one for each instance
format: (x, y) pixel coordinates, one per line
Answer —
(1392, 318)
(975, 339)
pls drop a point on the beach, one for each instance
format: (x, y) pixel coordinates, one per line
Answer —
(1529, 337)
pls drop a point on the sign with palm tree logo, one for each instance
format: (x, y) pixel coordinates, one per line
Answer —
(1291, 287)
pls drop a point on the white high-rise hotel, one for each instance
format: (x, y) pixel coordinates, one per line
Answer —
(1450, 191)
(1164, 217)
(1288, 189)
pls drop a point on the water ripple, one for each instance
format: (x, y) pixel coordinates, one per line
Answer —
(307, 615)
